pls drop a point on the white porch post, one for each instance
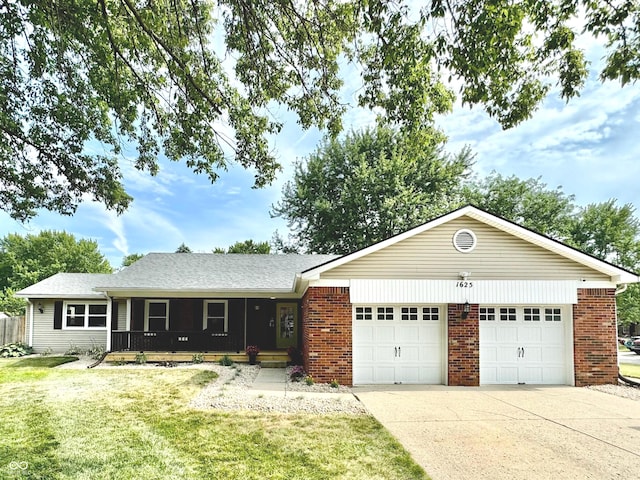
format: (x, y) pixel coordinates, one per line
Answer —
(128, 316)
(109, 307)
(29, 313)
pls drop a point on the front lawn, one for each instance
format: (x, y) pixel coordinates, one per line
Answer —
(130, 423)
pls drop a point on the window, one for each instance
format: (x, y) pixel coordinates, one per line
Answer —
(531, 314)
(364, 313)
(85, 315)
(487, 314)
(431, 313)
(385, 313)
(508, 314)
(156, 315)
(215, 316)
(552, 315)
(409, 313)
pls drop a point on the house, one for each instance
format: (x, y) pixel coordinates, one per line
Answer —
(465, 299)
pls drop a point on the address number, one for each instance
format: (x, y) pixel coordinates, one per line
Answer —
(464, 284)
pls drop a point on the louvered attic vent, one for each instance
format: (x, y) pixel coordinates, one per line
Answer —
(464, 241)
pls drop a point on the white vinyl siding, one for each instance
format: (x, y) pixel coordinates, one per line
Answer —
(497, 256)
(59, 341)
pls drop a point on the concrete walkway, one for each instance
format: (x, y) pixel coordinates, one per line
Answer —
(519, 432)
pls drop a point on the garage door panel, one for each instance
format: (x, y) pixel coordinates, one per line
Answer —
(528, 348)
(399, 344)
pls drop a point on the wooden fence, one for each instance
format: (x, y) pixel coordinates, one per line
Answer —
(12, 329)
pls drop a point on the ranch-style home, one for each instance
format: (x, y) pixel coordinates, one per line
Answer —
(466, 299)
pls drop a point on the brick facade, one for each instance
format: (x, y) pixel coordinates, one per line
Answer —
(595, 353)
(464, 346)
(326, 334)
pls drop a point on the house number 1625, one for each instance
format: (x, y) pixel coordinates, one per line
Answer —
(464, 284)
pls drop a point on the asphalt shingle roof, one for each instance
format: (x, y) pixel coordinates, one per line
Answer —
(67, 284)
(206, 271)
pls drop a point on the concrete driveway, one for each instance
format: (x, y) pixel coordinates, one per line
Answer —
(511, 432)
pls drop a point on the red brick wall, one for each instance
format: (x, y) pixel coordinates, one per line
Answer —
(464, 346)
(326, 334)
(595, 353)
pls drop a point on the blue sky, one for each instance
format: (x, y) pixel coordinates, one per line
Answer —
(590, 147)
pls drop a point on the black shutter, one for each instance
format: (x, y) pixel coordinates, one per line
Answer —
(57, 316)
(114, 316)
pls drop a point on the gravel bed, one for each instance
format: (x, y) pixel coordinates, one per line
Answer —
(231, 391)
(620, 390)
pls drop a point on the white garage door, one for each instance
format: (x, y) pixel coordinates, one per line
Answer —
(397, 344)
(523, 345)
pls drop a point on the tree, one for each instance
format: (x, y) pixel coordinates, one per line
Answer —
(526, 202)
(131, 259)
(370, 186)
(183, 249)
(27, 260)
(248, 246)
(196, 79)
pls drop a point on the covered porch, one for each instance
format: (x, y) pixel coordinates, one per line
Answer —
(203, 324)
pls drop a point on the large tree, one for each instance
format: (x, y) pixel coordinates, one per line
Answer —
(248, 246)
(369, 186)
(529, 203)
(196, 79)
(29, 259)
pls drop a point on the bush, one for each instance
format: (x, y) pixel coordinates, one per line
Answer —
(334, 383)
(309, 380)
(96, 351)
(141, 358)
(18, 349)
(225, 361)
(197, 358)
(74, 350)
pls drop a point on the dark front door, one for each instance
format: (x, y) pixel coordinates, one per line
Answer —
(261, 323)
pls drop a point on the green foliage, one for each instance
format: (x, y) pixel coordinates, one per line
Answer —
(183, 249)
(27, 260)
(197, 358)
(141, 358)
(18, 349)
(96, 351)
(178, 76)
(248, 246)
(309, 380)
(131, 259)
(370, 186)
(528, 203)
(74, 349)
(334, 383)
(225, 361)
(11, 304)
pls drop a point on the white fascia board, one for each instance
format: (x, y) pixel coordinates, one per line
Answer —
(51, 296)
(196, 293)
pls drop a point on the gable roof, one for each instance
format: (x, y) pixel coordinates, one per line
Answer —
(617, 274)
(184, 272)
(66, 285)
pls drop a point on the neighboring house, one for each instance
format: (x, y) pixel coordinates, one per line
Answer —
(465, 299)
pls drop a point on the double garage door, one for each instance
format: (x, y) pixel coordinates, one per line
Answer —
(398, 344)
(405, 344)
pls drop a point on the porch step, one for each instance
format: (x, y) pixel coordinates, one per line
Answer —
(273, 364)
(266, 357)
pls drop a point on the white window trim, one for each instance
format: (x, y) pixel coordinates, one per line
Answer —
(86, 315)
(206, 303)
(146, 313)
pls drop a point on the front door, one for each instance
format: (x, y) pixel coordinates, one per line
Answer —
(287, 325)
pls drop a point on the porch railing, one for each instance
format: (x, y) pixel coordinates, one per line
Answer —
(198, 341)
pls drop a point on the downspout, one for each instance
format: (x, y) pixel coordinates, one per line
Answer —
(109, 309)
(622, 289)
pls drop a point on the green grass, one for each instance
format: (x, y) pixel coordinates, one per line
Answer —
(42, 362)
(125, 423)
(628, 370)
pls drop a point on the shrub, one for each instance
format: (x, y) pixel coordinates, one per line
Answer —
(74, 350)
(96, 351)
(141, 358)
(309, 380)
(18, 349)
(334, 383)
(225, 361)
(46, 352)
(197, 358)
